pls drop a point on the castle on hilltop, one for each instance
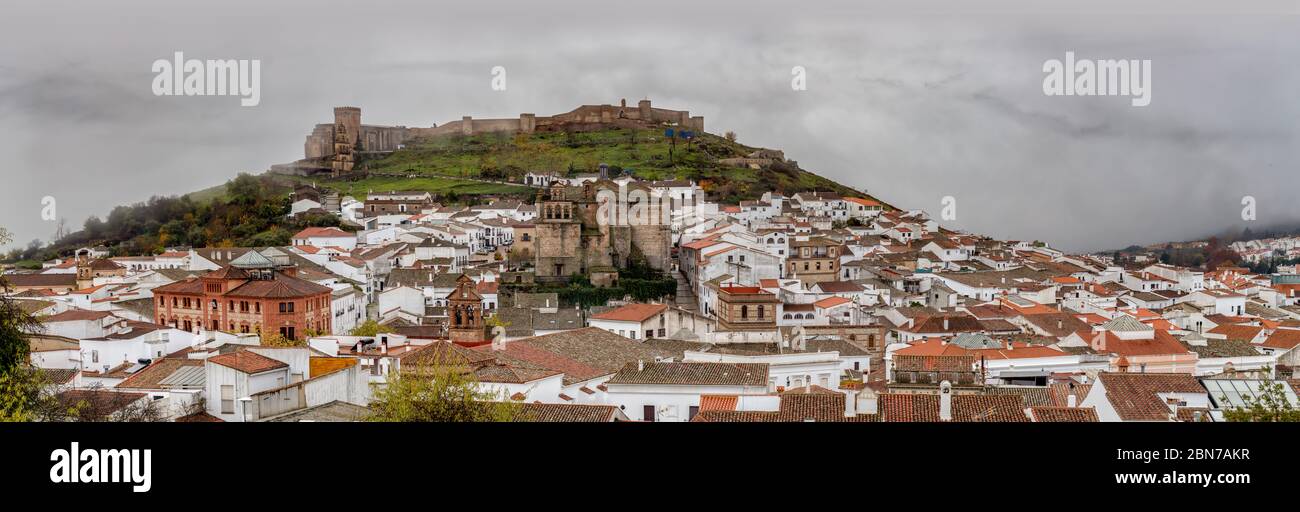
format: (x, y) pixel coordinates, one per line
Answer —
(346, 135)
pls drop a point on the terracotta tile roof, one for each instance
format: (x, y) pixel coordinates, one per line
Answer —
(944, 324)
(812, 406)
(150, 376)
(327, 232)
(202, 417)
(1189, 414)
(1061, 392)
(443, 353)
(1056, 324)
(718, 402)
(1161, 343)
(247, 361)
(895, 407)
(1285, 339)
(1134, 395)
(74, 315)
(1238, 332)
(581, 354)
(632, 313)
(831, 302)
(675, 373)
(986, 408)
(566, 413)
(282, 287)
(104, 264)
(839, 287)
(1064, 414)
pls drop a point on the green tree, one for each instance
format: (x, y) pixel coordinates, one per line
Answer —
(22, 387)
(438, 392)
(369, 328)
(1271, 405)
(275, 339)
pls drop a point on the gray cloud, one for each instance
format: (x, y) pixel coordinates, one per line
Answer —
(911, 100)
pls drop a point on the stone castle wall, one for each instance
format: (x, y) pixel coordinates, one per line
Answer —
(320, 143)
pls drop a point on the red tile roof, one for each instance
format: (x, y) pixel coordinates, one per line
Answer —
(1285, 339)
(1134, 395)
(330, 232)
(247, 361)
(632, 313)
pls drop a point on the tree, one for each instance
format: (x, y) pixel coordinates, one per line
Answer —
(275, 339)
(25, 395)
(96, 404)
(437, 392)
(1271, 405)
(370, 328)
(15, 323)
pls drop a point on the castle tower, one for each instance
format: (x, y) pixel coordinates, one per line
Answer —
(465, 313)
(85, 275)
(644, 107)
(350, 118)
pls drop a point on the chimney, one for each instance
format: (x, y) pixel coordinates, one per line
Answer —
(945, 401)
(850, 403)
(1059, 323)
(640, 365)
(1071, 400)
(945, 323)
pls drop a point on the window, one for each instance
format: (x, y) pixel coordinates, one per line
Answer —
(94, 356)
(227, 399)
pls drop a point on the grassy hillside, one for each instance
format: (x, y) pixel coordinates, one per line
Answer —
(440, 164)
(251, 210)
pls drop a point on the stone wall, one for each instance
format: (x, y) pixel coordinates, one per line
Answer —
(320, 143)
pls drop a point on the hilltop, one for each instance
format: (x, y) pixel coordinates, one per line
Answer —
(460, 162)
(496, 163)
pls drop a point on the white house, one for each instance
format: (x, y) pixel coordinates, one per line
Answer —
(326, 237)
(635, 321)
(670, 391)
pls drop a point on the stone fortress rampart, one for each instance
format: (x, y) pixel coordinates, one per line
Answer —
(321, 142)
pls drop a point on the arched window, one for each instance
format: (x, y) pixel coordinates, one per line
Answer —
(744, 311)
(787, 316)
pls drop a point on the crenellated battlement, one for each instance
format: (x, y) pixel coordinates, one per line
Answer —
(321, 141)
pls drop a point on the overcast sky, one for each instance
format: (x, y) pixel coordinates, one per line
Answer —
(912, 104)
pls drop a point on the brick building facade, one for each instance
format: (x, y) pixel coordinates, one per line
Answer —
(238, 298)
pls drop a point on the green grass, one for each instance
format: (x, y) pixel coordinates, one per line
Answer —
(645, 151)
(208, 194)
(444, 164)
